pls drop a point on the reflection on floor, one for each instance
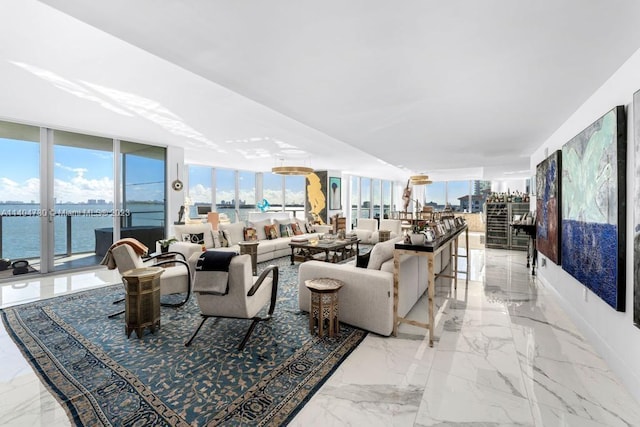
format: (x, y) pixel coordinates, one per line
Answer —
(505, 354)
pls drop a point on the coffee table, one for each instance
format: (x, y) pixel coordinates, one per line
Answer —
(334, 250)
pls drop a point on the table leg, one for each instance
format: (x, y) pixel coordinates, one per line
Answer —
(455, 263)
(292, 249)
(466, 240)
(534, 258)
(396, 281)
(431, 292)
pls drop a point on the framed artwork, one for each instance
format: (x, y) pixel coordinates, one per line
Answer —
(548, 202)
(335, 193)
(636, 210)
(593, 221)
(317, 196)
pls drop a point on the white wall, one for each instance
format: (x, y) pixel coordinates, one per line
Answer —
(612, 333)
(175, 199)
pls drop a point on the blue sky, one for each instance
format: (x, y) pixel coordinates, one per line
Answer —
(79, 174)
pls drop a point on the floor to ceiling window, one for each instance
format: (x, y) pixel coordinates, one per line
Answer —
(272, 190)
(226, 192)
(386, 199)
(294, 195)
(143, 185)
(20, 206)
(355, 200)
(436, 195)
(365, 197)
(83, 191)
(200, 188)
(246, 193)
(458, 195)
(376, 200)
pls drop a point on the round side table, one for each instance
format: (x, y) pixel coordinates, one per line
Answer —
(324, 305)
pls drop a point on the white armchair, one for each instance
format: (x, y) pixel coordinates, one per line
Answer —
(174, 280)
(365, 228)
(245, 298)
(392, 225)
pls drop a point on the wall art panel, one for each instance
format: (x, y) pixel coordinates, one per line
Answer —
(548, 202)
(593, 207)
(636, 210)
(317, 196)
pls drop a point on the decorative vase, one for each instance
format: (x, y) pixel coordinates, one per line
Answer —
(417, 238)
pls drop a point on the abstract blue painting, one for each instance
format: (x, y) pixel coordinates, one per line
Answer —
(593, 207)
(548, 206)
(636, 210)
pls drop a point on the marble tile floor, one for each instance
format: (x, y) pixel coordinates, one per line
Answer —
(505, 355)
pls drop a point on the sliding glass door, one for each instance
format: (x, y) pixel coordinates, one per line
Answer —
(141, 208)
(83, 197)
(20, 208)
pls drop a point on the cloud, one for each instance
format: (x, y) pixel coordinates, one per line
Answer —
(20, 191)
(79, 171)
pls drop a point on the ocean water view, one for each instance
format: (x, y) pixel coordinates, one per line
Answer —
(20, 224)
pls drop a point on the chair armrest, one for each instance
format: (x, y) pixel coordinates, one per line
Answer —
(270, 269)
(164, 254)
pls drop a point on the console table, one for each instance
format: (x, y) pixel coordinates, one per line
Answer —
(428, 250)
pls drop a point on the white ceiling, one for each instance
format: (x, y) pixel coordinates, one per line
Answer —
(457, 89)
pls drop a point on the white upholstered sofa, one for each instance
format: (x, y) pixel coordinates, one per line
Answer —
(234, 233)
(365, 227)
(366, 299)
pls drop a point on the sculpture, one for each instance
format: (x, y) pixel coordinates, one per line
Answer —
(180, 213)
(263, 205)
(406, 196)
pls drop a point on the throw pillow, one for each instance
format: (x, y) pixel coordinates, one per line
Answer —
(382, 252)
(259, 226)
(363, 260)
(205, 228)
(296, 229)
(250, 234)
(233, 232)
(271, 232)
(224, 243)
(193, 238)
(285, 230)
(216, 239)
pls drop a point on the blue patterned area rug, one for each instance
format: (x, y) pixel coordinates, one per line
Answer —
(102, 378)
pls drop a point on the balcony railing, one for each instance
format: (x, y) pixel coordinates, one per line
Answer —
(25, 238)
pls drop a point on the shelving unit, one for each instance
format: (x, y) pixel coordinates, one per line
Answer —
(499, 234)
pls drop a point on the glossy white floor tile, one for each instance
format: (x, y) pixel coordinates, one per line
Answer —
(505, 354)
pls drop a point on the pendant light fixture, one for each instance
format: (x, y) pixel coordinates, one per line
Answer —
(291, 170)
(420, 179)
